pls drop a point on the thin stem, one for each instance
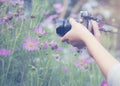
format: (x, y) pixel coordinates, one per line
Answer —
(2, 71)
(16, 39)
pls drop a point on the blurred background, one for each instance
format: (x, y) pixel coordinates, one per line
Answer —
(32, 54)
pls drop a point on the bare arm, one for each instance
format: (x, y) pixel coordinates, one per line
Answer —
(79, 34)
(102, 57)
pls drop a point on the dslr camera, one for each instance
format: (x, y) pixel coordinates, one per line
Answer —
(84, 17)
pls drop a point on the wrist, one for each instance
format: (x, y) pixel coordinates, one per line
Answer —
(87, 37)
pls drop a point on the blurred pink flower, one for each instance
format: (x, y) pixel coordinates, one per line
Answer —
(45, 45)
(20, 2)
(53, 45)
(31, 44)
(5, 19)
(3, 0)
(80, 63)
(59, 49)
(2, 20)
(39, 30)
(5, 52)
(50, 18)
(84, 60)
(58, 7)
(17, 2)
(104, 83)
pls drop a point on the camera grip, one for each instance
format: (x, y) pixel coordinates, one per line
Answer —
(64, 28)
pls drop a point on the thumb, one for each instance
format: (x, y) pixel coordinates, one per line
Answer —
(72, 21)
(64, 39)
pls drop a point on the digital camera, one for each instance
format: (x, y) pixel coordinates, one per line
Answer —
(84, 17)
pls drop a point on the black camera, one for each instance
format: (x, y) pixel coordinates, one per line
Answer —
(65, 26)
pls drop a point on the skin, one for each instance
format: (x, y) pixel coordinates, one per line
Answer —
(79, 34)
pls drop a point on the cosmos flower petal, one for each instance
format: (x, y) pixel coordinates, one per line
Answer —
(5, 52)
(31, 44)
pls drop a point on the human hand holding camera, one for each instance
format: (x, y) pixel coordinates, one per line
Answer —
(79, 33)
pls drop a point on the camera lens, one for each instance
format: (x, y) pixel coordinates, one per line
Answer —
(63, 28)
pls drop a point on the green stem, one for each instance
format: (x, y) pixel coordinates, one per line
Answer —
(2, 72)
(31, 79)
(47, 65)
(16, 39)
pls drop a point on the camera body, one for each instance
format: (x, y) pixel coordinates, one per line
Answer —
(85, 18)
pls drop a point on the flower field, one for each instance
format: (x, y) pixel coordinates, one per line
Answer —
(32, 54)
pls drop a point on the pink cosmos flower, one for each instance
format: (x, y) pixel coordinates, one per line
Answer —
(50, 18)
(15, 2)
(84, 60)
(20, 2)
(54, 46)
(3, 0)
(104, 83)
(5, 19)
(58, 7)
(45, 45)
(39, 30)
(31, 44)
(80, 63)
(2, 20)
(5, 52)
(59, 49)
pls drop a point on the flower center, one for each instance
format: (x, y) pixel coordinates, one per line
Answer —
(81, 63)
(30, 44)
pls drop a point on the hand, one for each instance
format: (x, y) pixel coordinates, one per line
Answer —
(79, 33)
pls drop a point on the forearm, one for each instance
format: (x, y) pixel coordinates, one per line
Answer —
(100, 54)
(102, 57)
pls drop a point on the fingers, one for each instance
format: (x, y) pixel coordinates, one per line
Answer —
(96, 30)
(95, 26)
(65, 38)
(74, 23)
